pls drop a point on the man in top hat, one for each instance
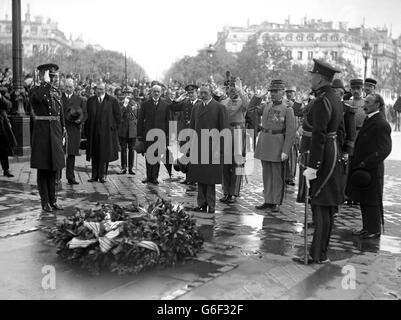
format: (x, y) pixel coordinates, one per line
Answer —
(74, 114)
(47, 139)
(274, 144)
(184, 105)
(101, 128)
(236, 106)
(127, 131)
(366, 176)
(323, 171)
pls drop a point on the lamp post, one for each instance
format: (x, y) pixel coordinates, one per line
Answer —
(366, 52)
(20, 121)
(210, 52)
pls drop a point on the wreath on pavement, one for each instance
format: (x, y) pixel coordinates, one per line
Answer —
(127, 239)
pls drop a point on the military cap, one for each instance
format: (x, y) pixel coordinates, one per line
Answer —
(191, 87)
(53, 68)
(291, 89)
(323, 68)
(356, 83)
(276, 85)
(337, 83)
(371, 81)
(361, 178)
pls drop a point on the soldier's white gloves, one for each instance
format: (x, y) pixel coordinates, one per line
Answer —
(126, 102)
(284, 156)
(310, 174)
(46, 77)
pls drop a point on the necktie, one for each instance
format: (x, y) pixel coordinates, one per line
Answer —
(100, 100)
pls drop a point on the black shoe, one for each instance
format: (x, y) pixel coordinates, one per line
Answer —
(275, 208)
(224, 199)
(231, 199)
(47, 208)
(93, 180)
(131, 172)
(56, 206)
(369, 235)
(359, 233)
(200, 208)
(123, 171)
(155, 182)
(211, 210)
(263, 206)
(146, 180)
(301, 260)
(102, 180)
(70, 181)
(8, 174)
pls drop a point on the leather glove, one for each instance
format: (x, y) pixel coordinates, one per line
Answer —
(310, 174)
(284, 156)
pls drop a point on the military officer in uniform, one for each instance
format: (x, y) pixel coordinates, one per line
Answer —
(323, 170)
(184, 105)
(369, 86)
(236, 106)
(47, 140)
(274, 144)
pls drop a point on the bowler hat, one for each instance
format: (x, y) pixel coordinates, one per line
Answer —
(361, 178)
(324, 68)
(337, 83)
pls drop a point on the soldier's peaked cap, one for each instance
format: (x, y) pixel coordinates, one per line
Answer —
(371, 81)
(53, 68)
(276, 85)
(324, 68)
(191, 87)
(356, 83)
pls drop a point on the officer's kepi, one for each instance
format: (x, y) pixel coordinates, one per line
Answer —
(323, 68)
(53, 68)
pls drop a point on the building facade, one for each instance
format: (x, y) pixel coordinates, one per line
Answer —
(319, 39)
(39, 35)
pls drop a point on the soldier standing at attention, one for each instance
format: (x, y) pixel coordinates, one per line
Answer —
(47, 140)
(323, 171)
(274, 144)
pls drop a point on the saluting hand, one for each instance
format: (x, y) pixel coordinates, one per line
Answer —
(46, 76)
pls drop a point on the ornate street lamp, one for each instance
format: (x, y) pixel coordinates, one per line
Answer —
(366, 52)
(210, 52)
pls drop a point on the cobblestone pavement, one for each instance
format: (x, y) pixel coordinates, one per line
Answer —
(247, 254)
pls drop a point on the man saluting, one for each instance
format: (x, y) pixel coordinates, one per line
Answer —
(47, 139)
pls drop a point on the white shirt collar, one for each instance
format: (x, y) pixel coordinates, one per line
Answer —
(102, 97)
(370, 115)
(207, 102)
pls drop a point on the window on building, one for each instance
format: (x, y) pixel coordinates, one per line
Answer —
(288, 37)
(234, 36)
(289, 54)
(310, 37)
(8, 28)
(300, 37)
(310, 55)
(334, 37)
(334, 55)
(276, 37)
(299, 56)
(323, 37)
(34, 30)
(34, 48)
(375, 64)
(376, 48)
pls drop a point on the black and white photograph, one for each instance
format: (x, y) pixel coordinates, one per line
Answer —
(223, 151)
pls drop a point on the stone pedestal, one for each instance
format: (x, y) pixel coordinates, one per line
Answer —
(21, 129)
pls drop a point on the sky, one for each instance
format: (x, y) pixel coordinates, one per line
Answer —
(155, 33)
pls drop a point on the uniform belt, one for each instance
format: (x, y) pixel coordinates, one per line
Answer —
(48, 118)
(270, 131)
(329, 135)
